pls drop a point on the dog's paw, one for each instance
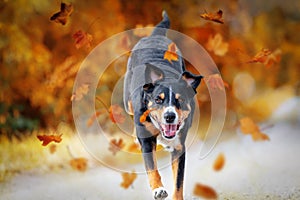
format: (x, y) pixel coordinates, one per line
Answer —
(160, 193)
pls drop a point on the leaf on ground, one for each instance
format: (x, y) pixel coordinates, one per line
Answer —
(143, 31)
(128, 179)
(266, 57)
(82, 39)
(80, 92)
(215, 81)
(204, 191)
(46, 139)
(92, 119)
(249, 127)
(171, 54)
(79, 164)
(219, 162)
(217, 45)
(116, 114)
(62, 16)
(116, 145)
(215, 17)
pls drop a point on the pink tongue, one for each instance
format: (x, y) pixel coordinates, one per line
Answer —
(170, 129)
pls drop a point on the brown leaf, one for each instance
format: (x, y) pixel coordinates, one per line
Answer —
(216, 45)
(82, 39)
(205, 191)
(46, 139)
(215, 81)
(91, 120)
(115, 145)
(215, 17)
(116, 114)
(171, 54)
(79, 164)
(249, 127)
(219, 162)
(80, 92)
(62, 16)
(266, 57)
(128, 179)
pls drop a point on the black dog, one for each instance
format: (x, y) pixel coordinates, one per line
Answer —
(162, 91)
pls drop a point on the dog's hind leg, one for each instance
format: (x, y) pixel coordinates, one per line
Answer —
(178, 163)
(148, 149)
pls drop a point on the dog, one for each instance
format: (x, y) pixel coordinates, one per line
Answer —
(162, 92)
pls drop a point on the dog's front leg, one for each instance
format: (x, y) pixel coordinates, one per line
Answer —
(178, 163)
(148, 146)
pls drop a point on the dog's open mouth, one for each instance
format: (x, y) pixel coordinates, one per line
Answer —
(169, 130)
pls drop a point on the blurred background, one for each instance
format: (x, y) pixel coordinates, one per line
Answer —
(39, 59)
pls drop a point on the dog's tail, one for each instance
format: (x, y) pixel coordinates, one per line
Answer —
(162, 27)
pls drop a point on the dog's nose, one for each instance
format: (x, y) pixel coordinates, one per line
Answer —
(169, 117)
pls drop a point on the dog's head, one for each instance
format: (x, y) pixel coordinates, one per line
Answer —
(169, 99)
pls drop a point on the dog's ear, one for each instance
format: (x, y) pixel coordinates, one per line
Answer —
(191, 79)
(153, 74)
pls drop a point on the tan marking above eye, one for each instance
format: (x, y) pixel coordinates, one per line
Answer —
(177, 96)
(162, 95)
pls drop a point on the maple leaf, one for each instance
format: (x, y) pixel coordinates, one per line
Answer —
(204, 191)
(116, 114)
(249, 127)
(216, 45)
(215, 17)
(266, 57)
(142, 31)
(128, 179)
(46, 139)
(219, 162)
(80, 92)
(62, 16)
(79, 164)
(170, 54)
(143, 117)
(216, 81)
(115, 145)
(82, 39)
(91, 120)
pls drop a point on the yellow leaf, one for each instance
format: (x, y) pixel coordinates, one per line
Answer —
(128, 179)
(171, 54)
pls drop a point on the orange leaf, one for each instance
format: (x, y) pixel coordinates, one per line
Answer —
(216, 45)
(170, 54)
(219, 162)
(128, 179)
(215, 17)
(249, 127)
(266, 57)
(91, 120)
(143, 117)
(82, 39)
(80, 92)
(62, 16)
(46, 139)
(215, 81)
(79, 164)
(116, 114)
(205, 191)
(134, 148)
(115, 145)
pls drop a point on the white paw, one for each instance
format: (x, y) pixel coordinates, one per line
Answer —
(159, 193)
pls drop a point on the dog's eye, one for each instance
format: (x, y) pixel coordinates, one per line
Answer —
(158, 100)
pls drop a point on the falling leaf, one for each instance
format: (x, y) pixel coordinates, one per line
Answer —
(115, 145)
(266, 57)
(128, 179)
(80, 92)
(142, 31)
(170, 54)
(82, 39)
(116, 114)
(215, 17)
(215, 81)
(79, 164)
(219, 162)
(52, 148)
(62, 16)
(46, 139)
(205, 191)
(134, 148)
(91, 120)
(249, 127)
(216, 45)
(144, 116)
